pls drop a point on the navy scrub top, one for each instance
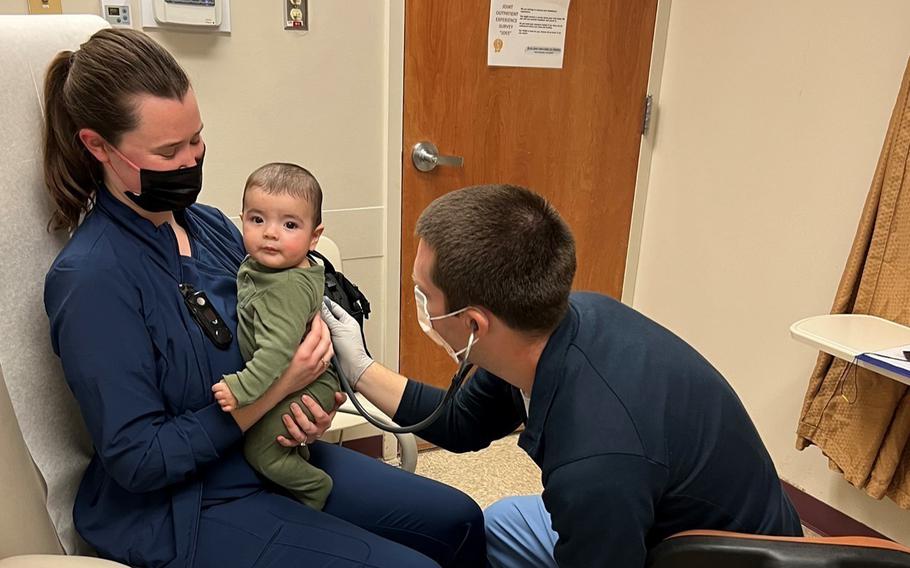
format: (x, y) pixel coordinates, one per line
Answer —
(637, 437)
(142, 371)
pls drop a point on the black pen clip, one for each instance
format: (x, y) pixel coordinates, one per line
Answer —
(205, 315)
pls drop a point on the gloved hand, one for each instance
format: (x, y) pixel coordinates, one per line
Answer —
(347, 341)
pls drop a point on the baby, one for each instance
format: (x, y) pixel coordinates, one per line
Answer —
(279, 289)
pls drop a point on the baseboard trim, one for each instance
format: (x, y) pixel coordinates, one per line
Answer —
(824, 519)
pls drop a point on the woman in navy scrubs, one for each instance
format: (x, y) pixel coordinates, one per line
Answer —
(168, 485)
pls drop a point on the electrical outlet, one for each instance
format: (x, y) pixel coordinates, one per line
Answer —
(38, 7)
(296, 15)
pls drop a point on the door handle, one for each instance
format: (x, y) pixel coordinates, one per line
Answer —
(425, 156)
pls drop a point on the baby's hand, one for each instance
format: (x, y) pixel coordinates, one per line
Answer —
(226, 399)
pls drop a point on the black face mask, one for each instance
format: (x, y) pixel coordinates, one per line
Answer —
(168, 190)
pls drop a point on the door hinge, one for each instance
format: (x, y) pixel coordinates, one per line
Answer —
(646, 120)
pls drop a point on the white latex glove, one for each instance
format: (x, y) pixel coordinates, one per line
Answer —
(349, 350)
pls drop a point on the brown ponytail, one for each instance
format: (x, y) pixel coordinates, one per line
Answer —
(69, 170)
(95, 87)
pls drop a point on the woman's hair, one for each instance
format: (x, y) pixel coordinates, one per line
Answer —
(96, 87)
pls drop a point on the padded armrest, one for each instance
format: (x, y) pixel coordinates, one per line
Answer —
(861, 541)
(54, 561)
(707, 549)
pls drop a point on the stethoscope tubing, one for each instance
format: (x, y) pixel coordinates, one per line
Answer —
(463, 369)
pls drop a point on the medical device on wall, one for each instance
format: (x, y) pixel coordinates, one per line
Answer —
(117, 13)
(206, 13)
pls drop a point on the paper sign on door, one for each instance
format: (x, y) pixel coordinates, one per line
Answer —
(527, 33)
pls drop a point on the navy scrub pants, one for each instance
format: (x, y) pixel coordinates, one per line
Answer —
(376, 516)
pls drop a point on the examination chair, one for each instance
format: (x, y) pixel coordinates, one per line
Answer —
(44, 445)
(721, 549)
(27, 535)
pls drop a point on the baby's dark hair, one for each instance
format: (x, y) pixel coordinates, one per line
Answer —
(290, 179)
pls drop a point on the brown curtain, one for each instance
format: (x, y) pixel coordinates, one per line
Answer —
(861, 420)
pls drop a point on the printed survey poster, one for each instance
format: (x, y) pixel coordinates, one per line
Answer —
(527, 33)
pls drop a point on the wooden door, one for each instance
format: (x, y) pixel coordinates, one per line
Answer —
(571, 134)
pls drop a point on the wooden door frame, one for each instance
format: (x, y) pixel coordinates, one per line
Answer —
(646, 151)
(394, 126)
(394, 130)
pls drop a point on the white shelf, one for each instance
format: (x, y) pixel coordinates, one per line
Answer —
(847, 336)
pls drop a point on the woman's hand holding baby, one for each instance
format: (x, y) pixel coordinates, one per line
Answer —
(310, 360)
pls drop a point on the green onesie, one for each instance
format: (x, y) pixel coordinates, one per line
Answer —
(274, 308)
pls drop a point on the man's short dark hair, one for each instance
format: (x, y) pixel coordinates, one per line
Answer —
(504, 248)
(290, 179)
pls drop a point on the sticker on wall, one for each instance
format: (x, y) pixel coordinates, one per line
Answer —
(527, 33)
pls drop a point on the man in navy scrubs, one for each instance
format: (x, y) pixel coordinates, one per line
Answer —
(637, 436)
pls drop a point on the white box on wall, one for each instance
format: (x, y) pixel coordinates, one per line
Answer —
(149, 21)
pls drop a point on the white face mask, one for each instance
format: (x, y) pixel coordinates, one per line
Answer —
(426, 324)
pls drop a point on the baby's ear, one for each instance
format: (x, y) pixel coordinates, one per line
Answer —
(314, 239)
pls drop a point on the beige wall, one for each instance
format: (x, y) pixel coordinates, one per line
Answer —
(317, 98)
(771, 118)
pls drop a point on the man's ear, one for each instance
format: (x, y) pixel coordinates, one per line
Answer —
(95, 144)
(477, 321)
(317, 234)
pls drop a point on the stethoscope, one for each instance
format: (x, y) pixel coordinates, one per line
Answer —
(463, 369)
